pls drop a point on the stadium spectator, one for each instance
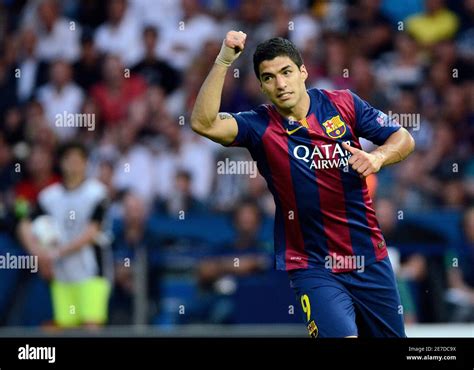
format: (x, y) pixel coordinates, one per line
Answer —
(163, 14)
(246, 256)
(182, 201)
(58, 37)
(120, 34)
(134, 161)
(183, 42)
(118, 88)
(370, 27)
(7, 86)
(154, 70)
(39, 174)
(87, 68)
(34, 71)
(9, 177)
(436, 24)
(460, 264)
(131, 233)
(61, 98)
(181, 151)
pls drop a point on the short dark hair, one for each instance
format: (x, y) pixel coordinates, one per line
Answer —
(70, 146)
(247, 202)
(275, 47)
(150, 29)
(184, 173)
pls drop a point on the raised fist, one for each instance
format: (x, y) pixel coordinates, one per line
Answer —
(232, 47)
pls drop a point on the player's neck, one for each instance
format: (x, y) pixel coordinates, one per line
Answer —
(73, 182)
(299, 111)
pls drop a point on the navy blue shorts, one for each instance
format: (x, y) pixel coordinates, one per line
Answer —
(363, 304)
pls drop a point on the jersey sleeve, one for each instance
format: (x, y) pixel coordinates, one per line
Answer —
(246, 122)
(37, 211)
(99, 211)
(40, 208)
(372, 124)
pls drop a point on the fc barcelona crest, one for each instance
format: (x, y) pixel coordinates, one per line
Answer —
(335, 127)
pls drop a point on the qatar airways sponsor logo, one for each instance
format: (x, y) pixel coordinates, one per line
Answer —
(323, 157)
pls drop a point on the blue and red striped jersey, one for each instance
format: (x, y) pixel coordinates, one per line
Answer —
(323, 207)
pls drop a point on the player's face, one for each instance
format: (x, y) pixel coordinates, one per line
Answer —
(282, 81)
(73, 164)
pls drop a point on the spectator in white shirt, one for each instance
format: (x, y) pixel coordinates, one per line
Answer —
(121, 34)
(58, 37)
(33, 72)
(182, 152)
(133, 168)
(183, 42)
(162, 14)
(61, 98)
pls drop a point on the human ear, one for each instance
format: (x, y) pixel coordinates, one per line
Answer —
(304, 72)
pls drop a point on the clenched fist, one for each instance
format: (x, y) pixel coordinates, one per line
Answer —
(232, 47)
(362, 162)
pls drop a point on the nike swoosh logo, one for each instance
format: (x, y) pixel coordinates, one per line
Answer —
(293, 131)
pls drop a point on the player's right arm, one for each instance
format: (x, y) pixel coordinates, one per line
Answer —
(45, 257)
(205, 118)
(26, 237)
(24, 229)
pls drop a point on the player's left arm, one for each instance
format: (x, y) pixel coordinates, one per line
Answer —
(88, 236)
(396, 148)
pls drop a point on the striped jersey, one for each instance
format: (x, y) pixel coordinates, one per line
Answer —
(323, 208)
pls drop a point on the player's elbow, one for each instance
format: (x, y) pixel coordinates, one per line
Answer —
(199, 126)
(196, 124)
(408, 145)
(196, 127)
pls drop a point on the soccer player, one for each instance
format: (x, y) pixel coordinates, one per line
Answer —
(77, 266)
(306, 145)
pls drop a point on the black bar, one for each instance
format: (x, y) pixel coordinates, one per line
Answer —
(156, 353)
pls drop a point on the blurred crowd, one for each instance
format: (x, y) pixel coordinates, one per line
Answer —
(131, 69)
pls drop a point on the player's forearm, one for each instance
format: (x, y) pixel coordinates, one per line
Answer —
(208, 100)
(398, 146)
(86, 238)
